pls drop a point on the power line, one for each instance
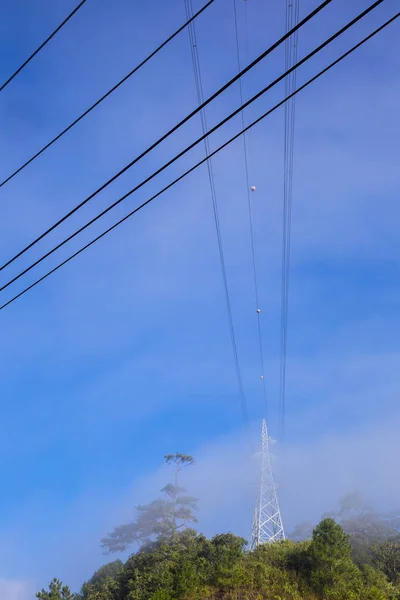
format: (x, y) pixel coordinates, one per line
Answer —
(200, 139)
(250, 214)
(210, 171)
(292, 17)
(106, 95)
(169, 133)
(186, 173)
(46, 41)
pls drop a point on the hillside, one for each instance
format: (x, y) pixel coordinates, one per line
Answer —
(191, 567)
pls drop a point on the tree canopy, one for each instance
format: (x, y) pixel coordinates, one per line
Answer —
(366, 527)
(387, 558)
(57, 591)
(188, 566)
(353, 554)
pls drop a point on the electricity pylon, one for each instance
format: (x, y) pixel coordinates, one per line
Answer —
(267, 522)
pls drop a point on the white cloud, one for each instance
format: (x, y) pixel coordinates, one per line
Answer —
(312, 473)
(316, 473)
(15, 590)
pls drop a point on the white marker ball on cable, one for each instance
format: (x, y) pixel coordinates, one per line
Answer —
(253, 188)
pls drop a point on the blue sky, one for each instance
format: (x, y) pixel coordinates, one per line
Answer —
(125, 354)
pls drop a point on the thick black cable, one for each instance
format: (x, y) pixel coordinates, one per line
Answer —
(46, 41)
(210, 171)
(106, 95)
(191, 146)
(169, 133)
(197, 165)
(250, 214)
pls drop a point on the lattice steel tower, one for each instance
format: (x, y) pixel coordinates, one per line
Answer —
(267, 523)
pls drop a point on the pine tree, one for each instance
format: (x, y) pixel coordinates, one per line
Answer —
(161, 519)
(57, 591)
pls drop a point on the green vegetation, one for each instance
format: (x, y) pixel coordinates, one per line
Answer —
(368, 529)
(354, 556)
(191, 567)
(57, 591)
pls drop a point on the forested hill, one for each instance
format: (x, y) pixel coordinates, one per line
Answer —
(353, 556)
(192, 567)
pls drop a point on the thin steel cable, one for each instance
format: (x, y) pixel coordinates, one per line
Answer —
(197, 165)
(210, 171)
(250, 212)
(289, 224)
(100, 100)
(42, 45)
(284, 217)
(169, 133)
(292, 16)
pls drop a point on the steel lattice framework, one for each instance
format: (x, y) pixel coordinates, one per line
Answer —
(267, 522)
